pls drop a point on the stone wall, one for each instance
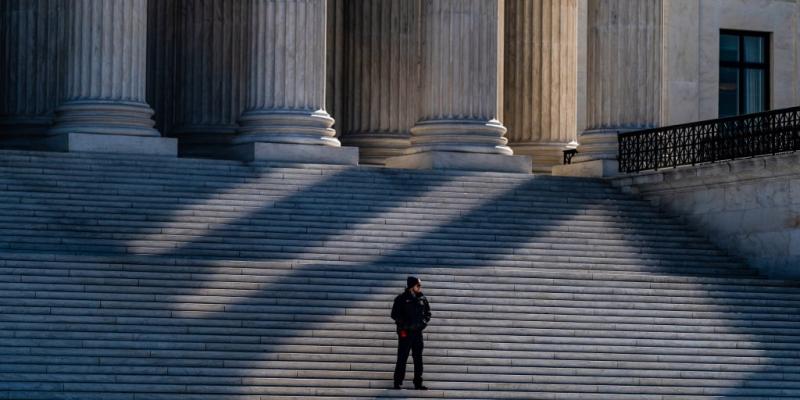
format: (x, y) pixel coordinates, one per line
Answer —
(691, 52)
(749, 207)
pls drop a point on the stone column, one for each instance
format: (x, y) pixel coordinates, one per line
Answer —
(210, 78)
(459, 126)
(334, 87)
(31, 62)
(624, 84)
(541, 75)
(381, 75)
(162, 22)
(105, 108)
(285, 117)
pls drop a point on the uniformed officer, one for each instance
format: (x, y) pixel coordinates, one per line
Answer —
(411, 313)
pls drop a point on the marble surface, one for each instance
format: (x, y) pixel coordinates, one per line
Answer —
(749, 207)
(778, 17)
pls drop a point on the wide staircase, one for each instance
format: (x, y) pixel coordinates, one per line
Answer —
(149, 278)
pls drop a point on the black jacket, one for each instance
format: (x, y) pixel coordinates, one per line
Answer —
(411, 312)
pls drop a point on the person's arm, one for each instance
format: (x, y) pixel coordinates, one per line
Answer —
(396, 311)
(427, 313)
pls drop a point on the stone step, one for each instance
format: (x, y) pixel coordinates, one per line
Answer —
(416, 232)
(317, 180)
(226, 353)
(376, 319)
(563, 243)
(353, 286)
(451, 322)
(418, 258)
(384, 335)
(470, 381)
(413, 249)
(56, 286)
(218, 168)
(243, 290)
(110, 365)
(315, 213)
(460, 277)
(313, 207)
(380, 233)
(101, 182)
(458, 389)
(150, 278)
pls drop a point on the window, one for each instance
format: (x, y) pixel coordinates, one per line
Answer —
(743, 73)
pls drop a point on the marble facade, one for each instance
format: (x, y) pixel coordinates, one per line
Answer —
(748, 207)
(454, 83)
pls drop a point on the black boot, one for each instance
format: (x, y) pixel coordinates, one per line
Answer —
(397, 386)
(420, 387)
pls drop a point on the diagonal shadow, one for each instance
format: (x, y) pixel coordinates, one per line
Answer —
(406, 259)
(487, 215)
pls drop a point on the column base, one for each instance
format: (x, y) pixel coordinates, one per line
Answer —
(98, 143)
(545, 156)
(203, 144)
(375, 147)
(462, 161)
(294, 153)
(589, 169)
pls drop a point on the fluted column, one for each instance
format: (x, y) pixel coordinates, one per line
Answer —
(286, 79)
(624, 70)
(210, 72)
(106, 68)
(31, 62)
(162, 23)
(334, 87)
(460, 85)
(540, 93)
(381, 75)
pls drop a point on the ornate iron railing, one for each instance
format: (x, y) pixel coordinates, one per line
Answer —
(568, 154)
(770, 132)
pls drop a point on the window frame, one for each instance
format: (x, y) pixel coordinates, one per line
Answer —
(742, 66)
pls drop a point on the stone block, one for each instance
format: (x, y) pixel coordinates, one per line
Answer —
(97, 143)
(589, 169)
(462, 161)
(293, 153)
(794, 188)
(764, 243)
(757, 195)
(778, 267)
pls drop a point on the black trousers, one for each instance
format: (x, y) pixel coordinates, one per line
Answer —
(412, 342)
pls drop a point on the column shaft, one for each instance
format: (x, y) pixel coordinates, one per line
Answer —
(31, 58)
(106, 69)
(162, 23)
(540, 92)
(460, 86)
(381, 91)
(286, 80)
(211, 71)
(624, 64)
(335, 52)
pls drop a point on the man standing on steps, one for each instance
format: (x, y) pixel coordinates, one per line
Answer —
(411, 313)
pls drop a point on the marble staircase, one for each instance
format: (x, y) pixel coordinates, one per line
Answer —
(137, 277)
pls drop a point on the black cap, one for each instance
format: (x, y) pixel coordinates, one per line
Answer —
(412, 281)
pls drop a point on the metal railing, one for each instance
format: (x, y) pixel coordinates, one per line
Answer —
(769, 132)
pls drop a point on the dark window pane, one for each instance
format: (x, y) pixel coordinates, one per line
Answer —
(754, 91)
(729, 48)
(728, 92)
(754, 49)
